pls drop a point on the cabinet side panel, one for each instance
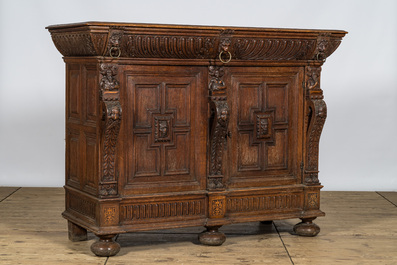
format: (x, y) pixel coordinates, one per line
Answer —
(73, 163)
(73, 90)
(91, 93)
(82, 98)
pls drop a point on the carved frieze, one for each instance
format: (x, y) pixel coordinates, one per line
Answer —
(273, 49)
(109, 86)
(140, 41)
(140, 212)
(82, 206)
(263, 203)
(77, 44)
(168, 46)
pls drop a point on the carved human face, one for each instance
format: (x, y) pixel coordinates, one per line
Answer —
(264, 124)
(109, 74)
(163, 129)
(115, 113)
(224, 115)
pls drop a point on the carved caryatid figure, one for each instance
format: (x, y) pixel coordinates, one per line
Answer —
(316, 115)
(216, 82)
(220, 110)
(108, 81)
(109, 87)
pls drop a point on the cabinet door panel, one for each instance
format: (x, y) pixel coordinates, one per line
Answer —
(165, 128)
(265, 147)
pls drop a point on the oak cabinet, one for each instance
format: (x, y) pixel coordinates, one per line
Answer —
(172, 126)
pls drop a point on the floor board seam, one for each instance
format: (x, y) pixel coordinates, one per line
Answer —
(282, 241)
(9, 195)
(386, 198)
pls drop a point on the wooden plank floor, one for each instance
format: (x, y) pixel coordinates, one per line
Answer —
(359, 228)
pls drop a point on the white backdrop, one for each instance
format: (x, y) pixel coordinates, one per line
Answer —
(358, 149)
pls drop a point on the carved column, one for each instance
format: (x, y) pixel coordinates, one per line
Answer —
(316, 113)
(220, 119)
(111, 126)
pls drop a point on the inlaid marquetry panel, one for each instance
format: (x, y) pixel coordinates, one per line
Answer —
(263, 125)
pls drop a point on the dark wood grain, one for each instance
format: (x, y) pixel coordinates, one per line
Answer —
(170, 126)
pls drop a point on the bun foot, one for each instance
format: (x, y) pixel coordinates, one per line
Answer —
(105, 247)
(212, 237)
(307, 228)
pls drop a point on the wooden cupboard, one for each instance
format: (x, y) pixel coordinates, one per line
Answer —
(171, 126)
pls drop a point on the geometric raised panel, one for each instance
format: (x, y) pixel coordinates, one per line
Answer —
(72, 159)
(91, 96)
(277, 153)
(249, 100)
(249, 156)
(91, 164)
(263, 125)
(175, 164)
(161, 134)
(146, 159)
(177, 101)
(277, 99)
(146, 100)
(74, 90)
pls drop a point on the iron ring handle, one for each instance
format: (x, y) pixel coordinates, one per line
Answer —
(114, 49)
(228, 60)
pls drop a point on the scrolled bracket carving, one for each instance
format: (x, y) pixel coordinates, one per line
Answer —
(219, 131)
(326, 45)
(316, 113)
(112, 113)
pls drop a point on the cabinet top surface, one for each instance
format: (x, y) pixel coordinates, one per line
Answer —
(188, 27)
(130, 40)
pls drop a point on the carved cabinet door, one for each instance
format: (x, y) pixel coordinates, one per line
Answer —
(265, 126)
(164, 130)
